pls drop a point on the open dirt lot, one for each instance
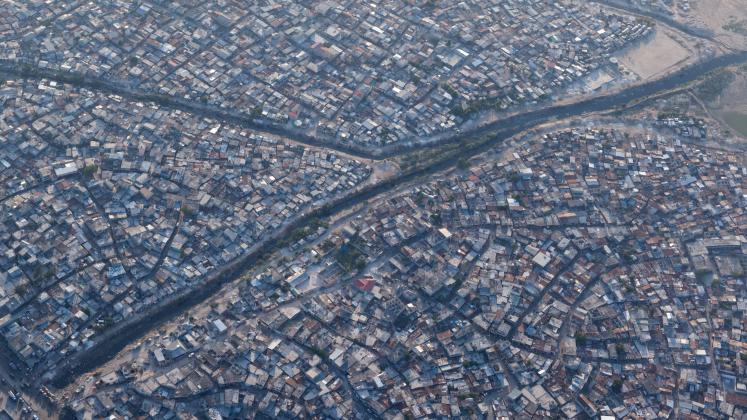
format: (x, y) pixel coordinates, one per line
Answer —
(655, 57)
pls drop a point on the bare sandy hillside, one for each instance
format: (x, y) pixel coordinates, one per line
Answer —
(726, 18)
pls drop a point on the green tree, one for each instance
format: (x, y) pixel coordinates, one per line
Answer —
(188, 212)
(620, 349)
(89, 170)
(21, 289)
(617, 385)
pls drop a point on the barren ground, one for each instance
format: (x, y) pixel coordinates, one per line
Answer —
(716, 14)
(655, 57)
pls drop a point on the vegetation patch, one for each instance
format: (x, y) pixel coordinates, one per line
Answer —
(736, 26)
(302, 232)
(714, 84)
(319, 352)
(89, 170)
(350, 258)
(737, 121)
(617, 385)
